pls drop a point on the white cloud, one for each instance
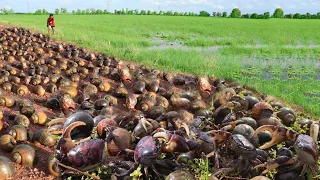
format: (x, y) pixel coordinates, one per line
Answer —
(278, 6)
(235, 6)
(220, 7)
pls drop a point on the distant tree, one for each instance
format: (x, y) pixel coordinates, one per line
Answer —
(44, 11)
(236, 13)
(204, 13)
(7, 11)
(245, 16)
(224, 14)
(169, 13)
(143, 12)
(296, 16)
(266, 15)
(186, 14)
(83, 12)
(288, 16)
(254, 16)
(154, 13)
(57, 11)
(99, 11)
(278, 13)
(37, 12)
(314, 16)
(148, 12)
(92, 11)
(73, 12)
(78, 12)
(318, 15)
(161, 12)
(105, 11)
(308, 15)
(136, 11)
(303, 16)
(214, 14)
(63, 10)
(218, 14)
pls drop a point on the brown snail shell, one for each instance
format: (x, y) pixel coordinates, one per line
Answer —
(21, 119)
(24, 154)
(90, 89)
(39, 90)
(27, 110)
(162, 101)
(121, 141)
(6, 168)
(39, 117)
(7, 86)
(259, 107)
(103, 124)
(104, 87)
(1, 115)
(287, 116)
(14, 79)
(44, 137)
(7, 142)
(22, 90)
(75, 77)
(72, 91)
(19, 133)
(139, 87)
(112, 100)
(121, 92)
(51, 88)
(225, 95)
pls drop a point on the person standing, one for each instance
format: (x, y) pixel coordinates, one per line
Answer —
(50, 24)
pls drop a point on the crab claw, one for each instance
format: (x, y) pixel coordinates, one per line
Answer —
(53, 167)
(66, 143)
(55, 126)
(314, 131)
(271, 165)
(176, 143)
(279, 135)
(144, 123)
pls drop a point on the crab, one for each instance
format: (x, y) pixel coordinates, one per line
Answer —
(243, 150)
(149, 149)
(307, 153)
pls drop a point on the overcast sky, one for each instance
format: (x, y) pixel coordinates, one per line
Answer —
(246, 6)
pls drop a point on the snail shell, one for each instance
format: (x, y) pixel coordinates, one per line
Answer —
(39, 117)
(21, 120)
(24, 154)
(27, 110)
(6, 101)
(39, 90)
(51, 88)
(72, 91)
(121, 140)
(1, 115)
(104, 87)
(225, 95)
(259, 107)
(22, 90)
(44, 137)
(7, 86)
(6, 168)
(7, 142)
(19, 133)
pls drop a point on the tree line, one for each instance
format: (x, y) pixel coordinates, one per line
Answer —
(235, 13)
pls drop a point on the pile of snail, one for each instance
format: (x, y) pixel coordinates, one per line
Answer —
(103, 114)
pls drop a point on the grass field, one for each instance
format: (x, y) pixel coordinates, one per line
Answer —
(276, 56)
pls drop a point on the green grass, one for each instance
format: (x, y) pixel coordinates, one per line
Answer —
(232, 44)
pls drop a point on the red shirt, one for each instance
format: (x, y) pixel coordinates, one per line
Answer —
(50, 21)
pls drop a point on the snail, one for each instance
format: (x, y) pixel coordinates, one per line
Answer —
(24, 154)
(22, 90)
(7, 142)
(39, 117)
(44, 137)
(6, 168)
(7, 101)
(39, 90)
(19, 133)
(21, 119)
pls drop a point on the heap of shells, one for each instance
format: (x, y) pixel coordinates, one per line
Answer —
(98, 113)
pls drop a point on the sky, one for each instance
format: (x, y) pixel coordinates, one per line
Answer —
(246, 6)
